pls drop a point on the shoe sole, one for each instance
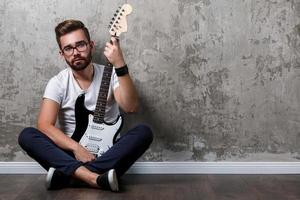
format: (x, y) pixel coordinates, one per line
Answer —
(49, 177)
(113, 180)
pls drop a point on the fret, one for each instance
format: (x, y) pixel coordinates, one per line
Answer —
(102, 99)
(100, 120)
(103, 92)
(101, 104)
(97, 114)
(97, 117)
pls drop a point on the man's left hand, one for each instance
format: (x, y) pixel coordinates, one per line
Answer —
(113, 53)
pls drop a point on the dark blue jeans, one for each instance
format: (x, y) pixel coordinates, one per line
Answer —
(120, 156)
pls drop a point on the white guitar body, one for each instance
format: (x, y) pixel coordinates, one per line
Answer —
(98, 138)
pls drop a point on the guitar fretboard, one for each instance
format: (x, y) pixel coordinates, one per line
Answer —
(102, 96)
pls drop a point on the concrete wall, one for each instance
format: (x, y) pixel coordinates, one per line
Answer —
(218, 79)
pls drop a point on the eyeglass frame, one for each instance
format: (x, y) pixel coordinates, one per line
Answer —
(82, 42)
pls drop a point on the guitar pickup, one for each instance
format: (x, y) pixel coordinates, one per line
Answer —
(97, 127)
(94, 138)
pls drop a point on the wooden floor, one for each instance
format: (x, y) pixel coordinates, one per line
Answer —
(166, 187)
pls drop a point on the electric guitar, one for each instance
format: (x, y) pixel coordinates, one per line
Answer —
(91, 131)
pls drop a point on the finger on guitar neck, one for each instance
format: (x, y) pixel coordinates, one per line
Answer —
(116, 37)
(114, 40)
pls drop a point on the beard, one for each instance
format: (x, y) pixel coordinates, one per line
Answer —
(79, 63)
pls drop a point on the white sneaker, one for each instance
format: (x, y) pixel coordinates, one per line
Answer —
(108, 181)
(56, 179)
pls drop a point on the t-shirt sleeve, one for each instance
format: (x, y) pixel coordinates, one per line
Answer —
(54, 90)
(115, 80)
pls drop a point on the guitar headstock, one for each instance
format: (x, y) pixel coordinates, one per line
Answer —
(118, 24)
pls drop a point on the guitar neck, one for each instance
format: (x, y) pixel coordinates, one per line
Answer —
(118, 25)
(102, 96)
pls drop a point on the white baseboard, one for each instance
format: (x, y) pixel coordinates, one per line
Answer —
(176, 168)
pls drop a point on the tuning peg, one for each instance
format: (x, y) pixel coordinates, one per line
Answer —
(117, 22)
(113, 19)
(111, 22)
(115, 15)
(117, 11)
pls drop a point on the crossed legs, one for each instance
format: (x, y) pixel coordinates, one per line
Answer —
(119, 157)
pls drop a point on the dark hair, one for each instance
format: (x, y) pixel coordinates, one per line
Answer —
(68, 26)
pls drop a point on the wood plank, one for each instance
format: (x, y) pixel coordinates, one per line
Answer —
(169, 187)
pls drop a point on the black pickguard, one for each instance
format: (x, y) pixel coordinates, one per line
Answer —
(81, 118)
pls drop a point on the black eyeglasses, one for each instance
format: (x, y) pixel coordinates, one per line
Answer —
(79, 46)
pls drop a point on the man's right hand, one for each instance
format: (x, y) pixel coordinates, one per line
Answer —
(82, 154)
(46, 124)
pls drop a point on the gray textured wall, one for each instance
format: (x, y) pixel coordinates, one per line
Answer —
(219, 79)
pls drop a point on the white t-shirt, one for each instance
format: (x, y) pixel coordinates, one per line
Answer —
(64, 89)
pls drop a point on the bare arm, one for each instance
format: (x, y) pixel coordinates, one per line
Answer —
(46, 124)
(126, 94)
